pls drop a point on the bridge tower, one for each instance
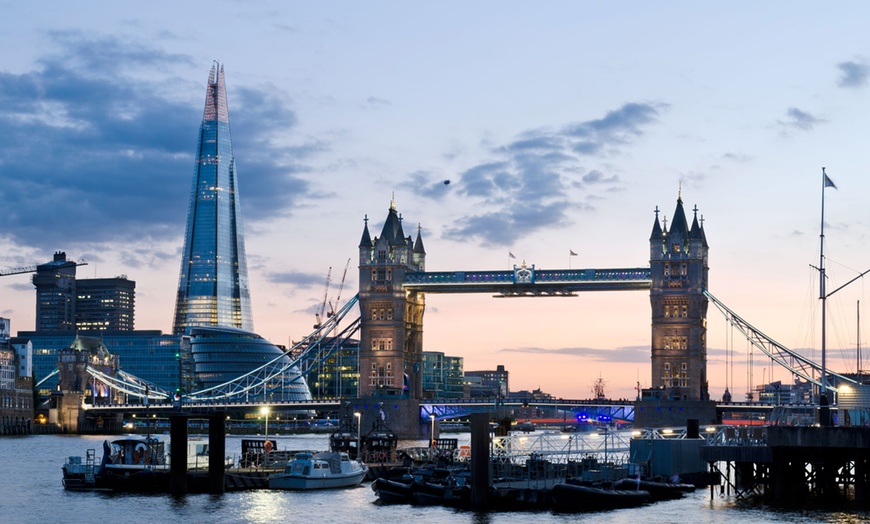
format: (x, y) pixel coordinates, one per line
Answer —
(679, 267)
(391, 329)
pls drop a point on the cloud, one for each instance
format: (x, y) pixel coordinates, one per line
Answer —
(300, 279)
(617, 127)
(531, 183)
(801, 120)
(426, 184)
(96, 147)
(853, 74)
(737, 157)
(626, 354)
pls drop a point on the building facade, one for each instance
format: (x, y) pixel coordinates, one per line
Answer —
(16, 384)
(67, 303)
(147, 354)
(221, 354)
(391, 318)
(679, 267)
(105, 304)
(442, 375)
(333, 370)
(489, 383)
(213, 282)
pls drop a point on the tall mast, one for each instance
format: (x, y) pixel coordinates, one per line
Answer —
(823, 390)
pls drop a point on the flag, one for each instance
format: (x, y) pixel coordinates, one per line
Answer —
(829, 182)
(511, 255)
(572, 253)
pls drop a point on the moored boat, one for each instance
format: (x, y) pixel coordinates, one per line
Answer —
(574, 498)
(391, 491)
(324, 470)
(132, 464)
(658, 490)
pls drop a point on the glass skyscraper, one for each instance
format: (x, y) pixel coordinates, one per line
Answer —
(213, 285)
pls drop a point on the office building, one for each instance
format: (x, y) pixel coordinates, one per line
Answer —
(213, 284)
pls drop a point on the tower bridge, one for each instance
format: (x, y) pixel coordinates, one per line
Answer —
(393, 283)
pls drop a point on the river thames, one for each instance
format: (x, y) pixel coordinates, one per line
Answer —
(32, 492)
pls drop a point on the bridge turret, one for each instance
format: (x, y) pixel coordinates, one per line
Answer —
(678, 266)
(366, 249)
(419, 256)
(657, 239)
(391, 333)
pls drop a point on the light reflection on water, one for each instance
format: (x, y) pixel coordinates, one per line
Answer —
(32, 492)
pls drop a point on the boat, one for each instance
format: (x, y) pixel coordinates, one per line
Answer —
(132, 464)
(658, 490)
(324, 470)
(575, 498)
(391, 491)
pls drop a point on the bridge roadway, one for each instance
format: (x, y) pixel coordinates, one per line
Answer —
(528, 281)
(592, 410)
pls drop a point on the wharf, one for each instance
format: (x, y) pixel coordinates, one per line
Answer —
(785, 463)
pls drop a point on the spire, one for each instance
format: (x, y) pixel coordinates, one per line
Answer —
(418, 244)
(678, 221)
(695, 231)
(216, 96)
(366, 240)
(656, 234)
(392, 231)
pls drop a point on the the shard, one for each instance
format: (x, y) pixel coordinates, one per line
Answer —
(213, 285)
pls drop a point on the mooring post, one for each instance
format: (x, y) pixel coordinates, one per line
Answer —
(217, 448)
(479, 461)
(178, 454)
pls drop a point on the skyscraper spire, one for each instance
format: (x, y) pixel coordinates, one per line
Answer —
(213, 284)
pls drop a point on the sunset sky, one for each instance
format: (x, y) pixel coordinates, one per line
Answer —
(560, 126)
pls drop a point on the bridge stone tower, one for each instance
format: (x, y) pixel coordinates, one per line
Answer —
(679, 267)
(391, 340)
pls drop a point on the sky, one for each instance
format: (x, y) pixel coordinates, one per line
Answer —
(561, 126)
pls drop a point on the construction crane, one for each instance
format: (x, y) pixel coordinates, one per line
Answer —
(31, 269)
(319, 313)
(334, 305)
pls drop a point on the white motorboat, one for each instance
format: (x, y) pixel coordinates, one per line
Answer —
(324, 470)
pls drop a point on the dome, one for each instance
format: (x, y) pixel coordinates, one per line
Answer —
(221, 354)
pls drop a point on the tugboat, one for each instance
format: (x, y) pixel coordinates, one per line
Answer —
(377, 448)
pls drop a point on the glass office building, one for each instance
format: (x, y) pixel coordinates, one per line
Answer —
(220, 355)
(147, 354)
(213, 284)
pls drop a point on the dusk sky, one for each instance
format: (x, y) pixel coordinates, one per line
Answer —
(560, 126)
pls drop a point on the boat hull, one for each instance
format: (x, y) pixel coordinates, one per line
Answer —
(300, 482)
(574, 498)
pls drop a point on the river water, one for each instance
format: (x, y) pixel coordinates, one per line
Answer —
(31, 491)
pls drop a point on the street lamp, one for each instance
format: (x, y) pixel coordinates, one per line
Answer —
(265, 411)
(432, 430)
(358, 416)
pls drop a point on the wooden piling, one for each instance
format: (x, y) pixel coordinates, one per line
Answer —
(479, 461)
(217, 447)
(178, 454)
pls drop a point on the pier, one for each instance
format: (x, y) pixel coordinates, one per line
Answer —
(784, 464)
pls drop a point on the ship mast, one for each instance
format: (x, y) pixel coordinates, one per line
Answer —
(823, 390)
